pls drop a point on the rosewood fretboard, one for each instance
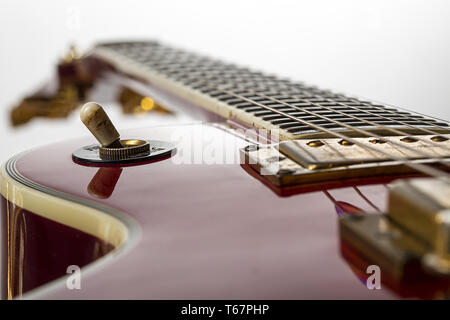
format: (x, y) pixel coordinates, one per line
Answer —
(255, 98)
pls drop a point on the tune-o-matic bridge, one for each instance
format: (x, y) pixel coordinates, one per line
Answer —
(304, 161)
(412, 238)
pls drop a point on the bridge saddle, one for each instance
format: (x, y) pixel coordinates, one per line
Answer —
(414, 232)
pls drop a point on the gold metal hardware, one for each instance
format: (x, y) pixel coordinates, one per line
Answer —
(112, 148)
(417, 207)
(75, 77)
(315, 143)
(344, 142)
(72, 83)
(438, 138)
(408, 139)
(71, 55)
(413, 235)
(382, 242)
(375, 141)
(60, 105)
(133, 102)
(131, 148)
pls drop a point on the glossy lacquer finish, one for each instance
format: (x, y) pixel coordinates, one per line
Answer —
(40, 250)
(208, 230)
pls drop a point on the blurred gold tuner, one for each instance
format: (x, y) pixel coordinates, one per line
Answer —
(133, 102)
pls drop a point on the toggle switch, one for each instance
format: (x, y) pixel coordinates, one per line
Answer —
(111, 147)
(97, 121)
(111, 150)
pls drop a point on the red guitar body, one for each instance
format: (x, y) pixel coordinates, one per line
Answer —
(195, 231)
(179, 228)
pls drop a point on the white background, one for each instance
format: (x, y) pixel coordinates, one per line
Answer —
(392, 51)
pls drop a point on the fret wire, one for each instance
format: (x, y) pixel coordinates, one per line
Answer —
(362, 120)
(424, 115)
(383, 117)
(350, 127)
(417, 166)
(374, 123)
(353, 128)
(439, 174)
(429, 142)
(391, 111)
(401, 115)
(381, 126)
(386, 110)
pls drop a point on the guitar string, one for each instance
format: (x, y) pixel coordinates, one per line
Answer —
(419, 167)
(396, 131)
(424, 115)
(359, 119)
(161, 53)
(390, 109)
(362, 195)
(303, 87)
(439, 174)
(360, 102)
(436, 144)
(315, 114)
(291, 85)
(378, 108)
(340, 124)
(338, 203)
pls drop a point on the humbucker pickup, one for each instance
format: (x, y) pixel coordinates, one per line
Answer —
(306, 161)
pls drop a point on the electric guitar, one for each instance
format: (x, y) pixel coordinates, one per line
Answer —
(272, 190)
